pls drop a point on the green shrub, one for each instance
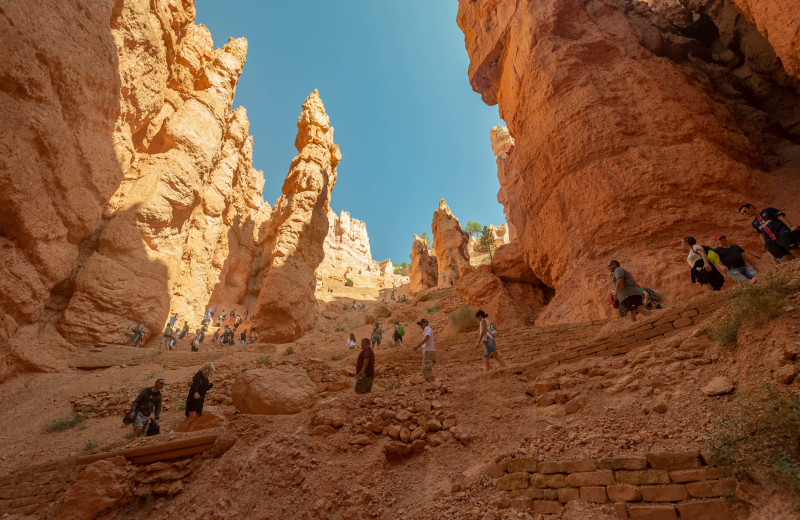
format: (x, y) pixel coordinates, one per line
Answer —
(392, 385)
(390, 344)
(761, 432)
(463, 319)
(129, 435)
(340, 329)
(754, 304)
(337, 357)
(89, 445)
(288, 352)
(432, 310)
(349, 282)
(65, 423)
(262, 360)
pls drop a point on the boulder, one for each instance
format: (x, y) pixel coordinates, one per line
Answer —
(785, 374)
(213, 417)
(382, 310)
(509, 265)
(282, 390)
(98, 487)
(719, 385)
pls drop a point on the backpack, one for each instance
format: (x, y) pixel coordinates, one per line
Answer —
(712, 255)
(401, 331)
(492, 329)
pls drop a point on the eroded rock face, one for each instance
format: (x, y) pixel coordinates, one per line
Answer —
(282, 390)
(98, 487)
(622, 140)
(133, 193)
(779, 22)
(348, 254)
(297, 228)
(451, 244)
(508, 304)
(502, 144)
(423, 272)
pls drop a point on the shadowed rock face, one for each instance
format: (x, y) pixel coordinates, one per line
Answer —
(628, 135)
(423, 273)
(779, 22)
(129, 190)
(451, 244)
(297, 229)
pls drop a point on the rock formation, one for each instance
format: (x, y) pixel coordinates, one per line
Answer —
(779, 22)
(282, 390)
(423, 272)
(348, 254)
(499, 234)
(451, 244)
(502, 143)
(133, 191)
(297, 228)
(630, 132)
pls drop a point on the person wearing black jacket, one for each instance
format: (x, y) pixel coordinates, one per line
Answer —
(201, 383)
(147, 402)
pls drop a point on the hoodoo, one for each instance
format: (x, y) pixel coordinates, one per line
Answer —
(297, 228)
(423, 272)
(451, 244)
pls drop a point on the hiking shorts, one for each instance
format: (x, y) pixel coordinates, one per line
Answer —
(489, 346)
(428, 359)
(140, 421)
(780, 246)
(398, 338)
(376, 340)
(632, 302)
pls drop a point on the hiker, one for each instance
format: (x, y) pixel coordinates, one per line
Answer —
(351, 341)
(195, 341)
(399, 332)
(776, 230)
(138, 334)
(148, 401)
(363, 306)
(702, 266)
(167, 336)
(650, 300)
(428, 350)
(246, 312)
(243, 337)
(222, 317)
(173, 320)
(201, 383)
(734, 260)
(184, 330)
(253, 335)
(233, 314)
(215, 337)
(392, 298)
(625, 291)
(354, 305)
(486, 335)
(212, 310)
(202, 335)
(377, 333)
(227, 336)
(365, 368)
(237, 323)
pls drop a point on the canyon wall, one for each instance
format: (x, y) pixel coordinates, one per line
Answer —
(297, 228)
(451, 244)
(128, 187)
(630, 132)
(348, 255)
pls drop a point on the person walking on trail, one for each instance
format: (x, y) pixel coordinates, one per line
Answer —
(184, 330)
(237, 322)
(243, 337)
(377, 334)
(138, 334)
(246, 312)
(625, 291)
(428, 346)
(354, 305)
(702, 265)
(147, 402)
(215, 337)
(253, 335)
(365, 368)
(198, 387)
(776, 230)
(486, 335)
(167, 336)
(222, 317)
(399, 332)
(195, 341)
(227, 336)
(212, 310)
(351, 341)
(734, 261)
(173, 320)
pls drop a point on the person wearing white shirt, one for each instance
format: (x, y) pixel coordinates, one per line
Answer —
(428, 345)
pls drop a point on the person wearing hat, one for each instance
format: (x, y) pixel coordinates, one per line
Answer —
(428, 350)
(734, 260)
(147, 402)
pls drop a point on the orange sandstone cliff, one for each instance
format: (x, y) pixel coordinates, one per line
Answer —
(630, 132)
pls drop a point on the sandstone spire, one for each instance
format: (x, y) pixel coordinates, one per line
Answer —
(423, 272)
(297, 229)
(502, 143)
(451, 245)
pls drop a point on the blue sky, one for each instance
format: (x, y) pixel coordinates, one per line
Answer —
(393, 77)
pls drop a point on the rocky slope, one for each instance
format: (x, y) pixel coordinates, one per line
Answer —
(631, 131)
(133, 192)
(297, 229)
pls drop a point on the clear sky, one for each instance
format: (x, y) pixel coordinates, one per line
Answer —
(393, 77)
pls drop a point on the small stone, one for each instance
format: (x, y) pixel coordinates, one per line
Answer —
(785, 374)
(660, 408)
(719, 385)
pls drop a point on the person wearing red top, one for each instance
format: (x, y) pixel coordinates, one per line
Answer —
(365, 368)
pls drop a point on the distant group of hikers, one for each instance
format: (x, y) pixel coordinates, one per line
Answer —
(707, 264)
(224, 334)
(149, 402)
